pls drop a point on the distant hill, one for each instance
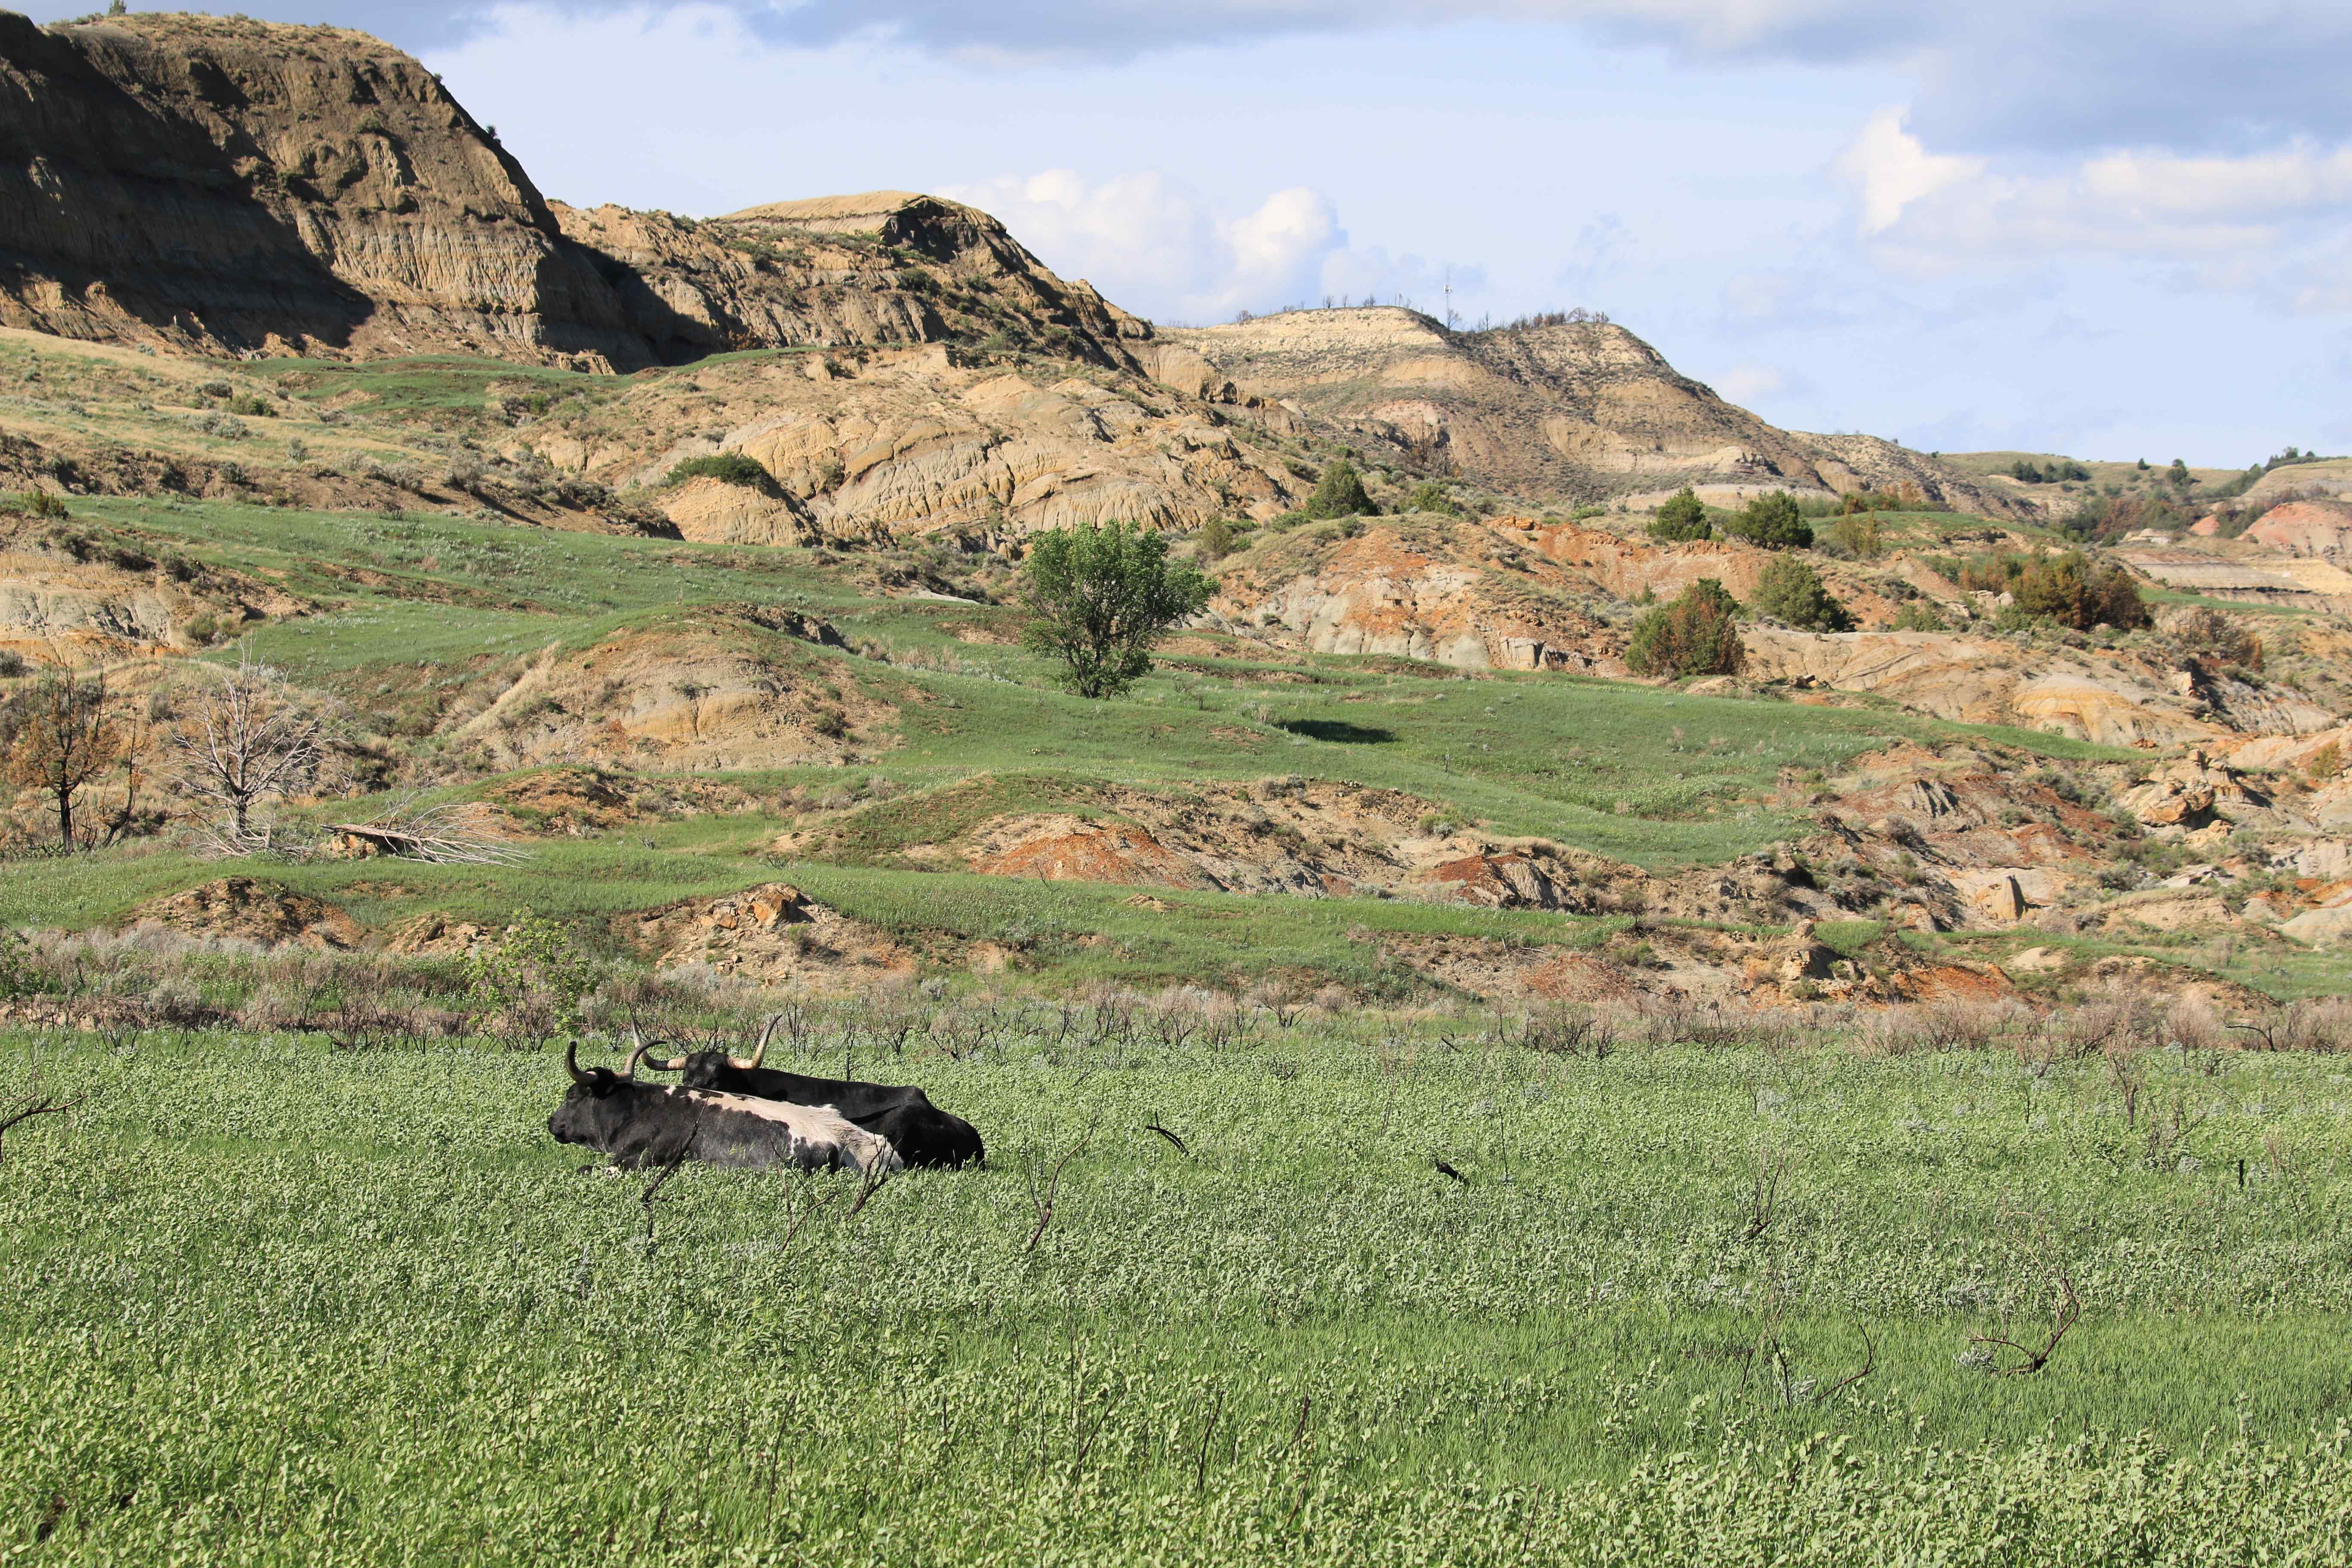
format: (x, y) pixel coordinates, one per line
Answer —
(226, 187)
(1575, 408)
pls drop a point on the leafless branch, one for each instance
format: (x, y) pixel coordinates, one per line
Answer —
(1043, 1196)
(1177, 1143)
(1869, 1362)
(33, 1103)
(1763, 1203)
(2070, 1312)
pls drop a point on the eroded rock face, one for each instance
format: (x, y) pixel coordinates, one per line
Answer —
(1575, 407)
(909, 441)
(227, 186)
(2114, 700)
(716, 687)
(774, 934)
(1457, 592)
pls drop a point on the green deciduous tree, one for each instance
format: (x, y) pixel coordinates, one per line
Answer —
(1682, 518)
(1792, 592)
(1340, 493)
(1693, 634)
(1773, 521)
(1100, 597)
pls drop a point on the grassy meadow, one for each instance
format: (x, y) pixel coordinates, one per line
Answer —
(274, 1303)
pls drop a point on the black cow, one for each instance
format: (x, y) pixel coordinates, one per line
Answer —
(642, 1124)
(921, 1132)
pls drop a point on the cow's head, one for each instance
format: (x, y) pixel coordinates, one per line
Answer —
(702, 1068)
(590, 1111)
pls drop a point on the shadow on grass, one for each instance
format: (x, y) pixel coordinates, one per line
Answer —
(1338, 732)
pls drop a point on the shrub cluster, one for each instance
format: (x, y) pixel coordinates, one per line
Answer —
(728, 467)
(1792, 592)
(1697, 634)
(1340, 493)
(1682, 519)
(1771, 521)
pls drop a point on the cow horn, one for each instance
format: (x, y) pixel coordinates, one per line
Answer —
(572, 1062)
(746, 1063)
(629, 1073)
(659, 1064)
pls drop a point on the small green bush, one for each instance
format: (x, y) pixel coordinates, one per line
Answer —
(1682, 519)
(1340, 493)
(1695, 634)
(1430, 496)
(1920, 616)
(728, 467)
(2078, 591)
(1792, 592)
(1771, 521)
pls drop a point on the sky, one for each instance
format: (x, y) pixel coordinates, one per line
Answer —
(2112, 228)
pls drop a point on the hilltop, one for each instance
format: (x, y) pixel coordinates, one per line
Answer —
(1570, 408)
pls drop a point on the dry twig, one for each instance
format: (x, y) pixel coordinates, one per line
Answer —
(33, 1103)
(2070, 1312)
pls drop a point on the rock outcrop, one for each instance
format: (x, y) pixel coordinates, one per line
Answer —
(1572, 408)
(226, 186)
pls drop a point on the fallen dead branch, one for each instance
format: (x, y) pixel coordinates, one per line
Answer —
(436, 834)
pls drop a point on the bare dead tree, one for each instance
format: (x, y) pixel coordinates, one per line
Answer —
(1044, 1195)
(247, 738)
(2070, 1312)
(31, 1104)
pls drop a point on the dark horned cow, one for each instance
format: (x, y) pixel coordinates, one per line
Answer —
(642, 1124)
(921, 1132)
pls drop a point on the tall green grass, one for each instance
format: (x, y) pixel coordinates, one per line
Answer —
(272, 1304)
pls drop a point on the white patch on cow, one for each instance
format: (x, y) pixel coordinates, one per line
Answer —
(818, 1126)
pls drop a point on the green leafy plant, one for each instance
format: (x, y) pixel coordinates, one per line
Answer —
(1340, 493)
(728, 467)
(1792, 592)
(1920, 616)
(1695, 634)
(1432, 497)
(2078, 591)
(1099, 596)
(529, 983)
(1772, 521)
(1682, 518)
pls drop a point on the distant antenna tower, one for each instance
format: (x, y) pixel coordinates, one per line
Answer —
(1449, 299)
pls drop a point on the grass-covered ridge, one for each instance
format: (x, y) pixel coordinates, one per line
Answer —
(1645, 773)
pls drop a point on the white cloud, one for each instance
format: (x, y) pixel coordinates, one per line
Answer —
(1157, 246)
(1890, 169)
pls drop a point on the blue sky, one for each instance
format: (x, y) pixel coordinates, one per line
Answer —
(2111, 229)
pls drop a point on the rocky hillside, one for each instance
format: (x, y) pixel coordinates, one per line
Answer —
(226, 186)
(1573, 409)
